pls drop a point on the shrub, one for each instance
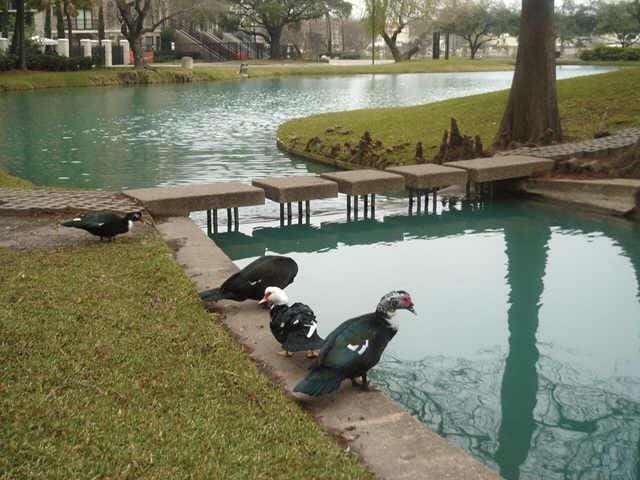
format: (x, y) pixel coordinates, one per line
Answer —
(602, 53)
(169, 56)
(350, 56)
(7, 62)
(56, 63)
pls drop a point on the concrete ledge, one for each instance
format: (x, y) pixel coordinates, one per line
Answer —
(429, 175)
(502, 167)
(363, 182)
(392, 443)
(619, 196)
(179, 201)
(296, 188)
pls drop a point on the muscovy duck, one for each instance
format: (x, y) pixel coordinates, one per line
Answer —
(355, 346)
(295, 327)
(250, 282)
(105, 224)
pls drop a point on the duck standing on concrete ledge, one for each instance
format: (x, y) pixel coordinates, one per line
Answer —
(355, 346)
(295, 326)
(250, 282)
(105, 224)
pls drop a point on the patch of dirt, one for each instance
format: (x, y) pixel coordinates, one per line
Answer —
(44, 231)
(619, 165)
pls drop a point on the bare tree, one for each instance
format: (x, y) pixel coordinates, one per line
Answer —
(532, 113)
(621, 19)
(340, 9)
(354, 35)
(143, 16)
(390, 18)
(477, 23)
(268, 18)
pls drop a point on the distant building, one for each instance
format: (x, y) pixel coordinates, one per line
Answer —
(85, 23)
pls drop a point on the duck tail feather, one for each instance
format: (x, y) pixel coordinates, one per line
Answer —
(212, 295)
(71, 223)
(319, 381)
(300, 343)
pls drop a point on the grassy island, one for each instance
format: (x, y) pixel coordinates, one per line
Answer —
(590, 104)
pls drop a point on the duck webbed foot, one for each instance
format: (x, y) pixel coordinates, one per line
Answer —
(313, 353)
(364, 385)
(284, 353)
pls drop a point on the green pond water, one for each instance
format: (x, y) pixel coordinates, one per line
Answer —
(526, 347)
(115, 138)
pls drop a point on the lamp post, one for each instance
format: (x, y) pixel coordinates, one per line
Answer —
(373, 32)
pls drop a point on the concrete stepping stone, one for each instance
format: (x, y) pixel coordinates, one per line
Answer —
(365, 182)
(501, 167)
(427, 178)
(181, 200)
(303, 188)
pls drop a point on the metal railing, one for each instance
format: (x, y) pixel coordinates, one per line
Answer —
(212, 54)
(214, 45)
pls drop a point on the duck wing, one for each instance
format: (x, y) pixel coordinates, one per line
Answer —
(99, 223)
(267, 271)
(90, 220)
(296, 328)
(340, 357)
(345, 347)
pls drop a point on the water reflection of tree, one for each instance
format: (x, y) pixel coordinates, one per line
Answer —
(527, 246)
(547, 421)
(582, 427)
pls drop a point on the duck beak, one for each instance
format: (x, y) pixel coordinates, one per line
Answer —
(412, 310)
(264, 300)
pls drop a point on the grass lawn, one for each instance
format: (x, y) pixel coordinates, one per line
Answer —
(16, 80)
(110, 367)
(608, 101)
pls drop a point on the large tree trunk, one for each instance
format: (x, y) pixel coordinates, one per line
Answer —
(393, 48)
(138, 51)
(59, 20)
(47, 22)
(447, 38)
(275, 35)
(22, 58)
(473, 48)
(329, 34)
(532, 113)
(4, 19)
(67, 12)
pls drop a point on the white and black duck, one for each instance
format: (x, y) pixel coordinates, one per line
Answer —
(105, 224)
(355, 346)
(294, 327)
(251, 281)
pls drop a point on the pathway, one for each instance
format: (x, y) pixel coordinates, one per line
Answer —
(594, 147)
(16, 201)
